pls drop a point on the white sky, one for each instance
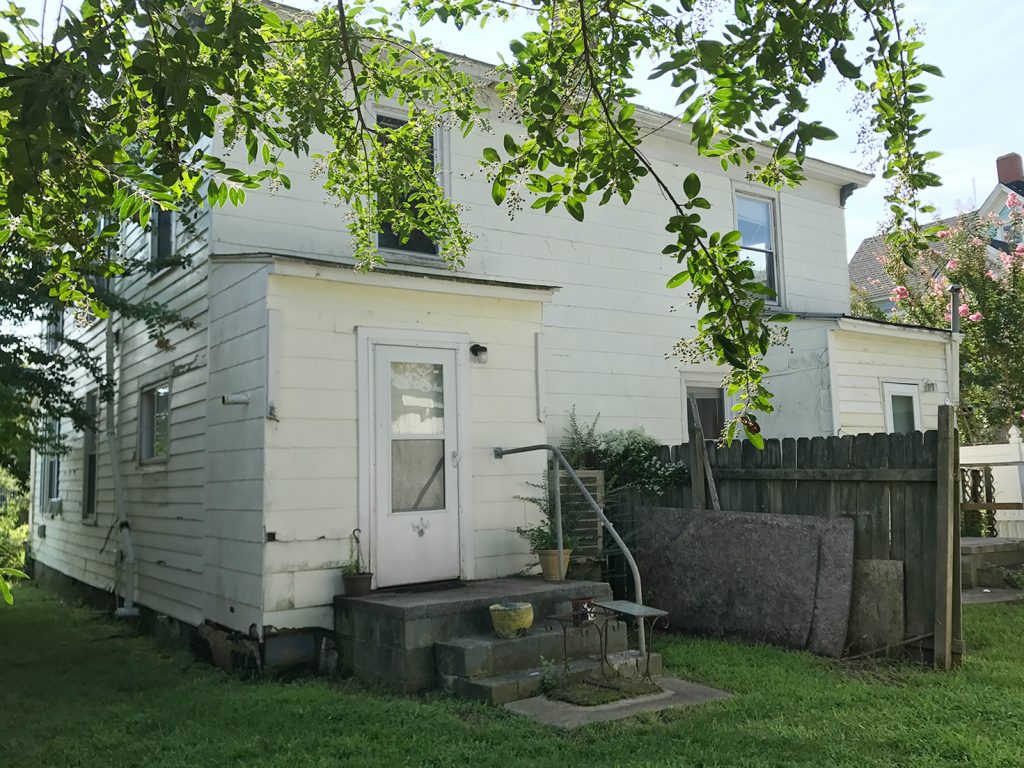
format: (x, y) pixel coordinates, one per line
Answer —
(976, 115)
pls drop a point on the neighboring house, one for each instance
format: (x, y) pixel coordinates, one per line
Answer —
(867, 272)
(309, 399)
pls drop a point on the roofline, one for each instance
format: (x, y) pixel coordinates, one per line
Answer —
(821, 170)
(391, 276)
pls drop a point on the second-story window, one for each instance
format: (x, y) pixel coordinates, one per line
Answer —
(161, 248)
(418, 242)
(755, 220)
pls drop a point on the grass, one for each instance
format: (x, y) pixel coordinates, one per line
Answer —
(78, 690)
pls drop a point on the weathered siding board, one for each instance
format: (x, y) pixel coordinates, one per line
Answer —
(162, 500)
(864, 360)
(310, 487)
(233, 529)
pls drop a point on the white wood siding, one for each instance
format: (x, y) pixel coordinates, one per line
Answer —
(610, 328)
(164, 501)
(800, 380)
(233, 530)
(866, 360)
(310, 488)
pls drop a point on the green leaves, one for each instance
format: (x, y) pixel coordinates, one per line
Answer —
(5, 589)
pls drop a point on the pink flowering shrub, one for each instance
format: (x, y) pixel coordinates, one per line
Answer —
(991, 313)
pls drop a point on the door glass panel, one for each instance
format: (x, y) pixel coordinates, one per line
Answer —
(417, 398)
(417, 475)
(903, 414)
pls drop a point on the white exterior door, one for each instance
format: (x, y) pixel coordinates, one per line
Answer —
(416, 451)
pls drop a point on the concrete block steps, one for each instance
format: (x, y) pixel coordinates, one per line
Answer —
(525, 683)
(483, 655)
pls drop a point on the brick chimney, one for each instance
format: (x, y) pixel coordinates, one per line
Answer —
(1009, 168)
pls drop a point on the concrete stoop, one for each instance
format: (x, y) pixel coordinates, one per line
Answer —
(982, 560)
(392, 638)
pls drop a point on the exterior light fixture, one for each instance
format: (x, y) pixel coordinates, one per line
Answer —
(478, 351)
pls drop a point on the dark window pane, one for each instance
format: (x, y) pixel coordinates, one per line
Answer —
(386, 238)
(903, 414)
(711, 408)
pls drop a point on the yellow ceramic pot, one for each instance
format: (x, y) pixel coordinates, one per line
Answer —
(549, 563)
(511, 619)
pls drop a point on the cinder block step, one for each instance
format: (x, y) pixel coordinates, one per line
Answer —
(485, 655)
(523, 684)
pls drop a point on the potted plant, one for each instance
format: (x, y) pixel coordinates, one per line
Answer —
(356, 580)
(511, 619)
(543, 538)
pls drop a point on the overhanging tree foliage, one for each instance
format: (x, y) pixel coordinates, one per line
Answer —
(108, 113)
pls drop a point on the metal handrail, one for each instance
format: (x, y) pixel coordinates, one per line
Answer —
(559, 458)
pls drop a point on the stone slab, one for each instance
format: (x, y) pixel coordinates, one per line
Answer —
(561, 714)
(876, 607)
(782, 579)
(994, 595)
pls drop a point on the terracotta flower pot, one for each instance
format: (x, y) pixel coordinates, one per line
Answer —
(549, 563)
(357, 584)
(511, 619)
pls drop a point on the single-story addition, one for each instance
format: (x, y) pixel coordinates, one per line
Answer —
(307, 400)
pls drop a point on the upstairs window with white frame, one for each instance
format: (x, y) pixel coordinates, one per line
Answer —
(902, 406)
(755, 220)
(418, 243)
(54, 332)
(154, 423)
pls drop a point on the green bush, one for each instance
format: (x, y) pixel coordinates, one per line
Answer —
(13, 528)
(629, 457)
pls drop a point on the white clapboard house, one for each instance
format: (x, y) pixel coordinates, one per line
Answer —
(309, 399)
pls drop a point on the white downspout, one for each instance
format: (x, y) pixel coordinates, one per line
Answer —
(127, 550)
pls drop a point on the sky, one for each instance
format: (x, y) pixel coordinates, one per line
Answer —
(977, 113)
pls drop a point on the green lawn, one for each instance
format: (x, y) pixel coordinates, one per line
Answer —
(83, 691)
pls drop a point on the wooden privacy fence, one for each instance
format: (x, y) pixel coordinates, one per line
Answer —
(900, 490)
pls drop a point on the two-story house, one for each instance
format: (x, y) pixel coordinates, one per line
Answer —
(309, 399)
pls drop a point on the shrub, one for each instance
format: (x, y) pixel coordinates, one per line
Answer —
(13, 528)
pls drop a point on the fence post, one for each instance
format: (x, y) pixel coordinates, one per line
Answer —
(698, 481)
(945, 540)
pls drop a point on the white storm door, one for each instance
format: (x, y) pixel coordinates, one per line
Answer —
(416, 452)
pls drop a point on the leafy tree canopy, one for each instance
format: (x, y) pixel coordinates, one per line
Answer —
(108, 112)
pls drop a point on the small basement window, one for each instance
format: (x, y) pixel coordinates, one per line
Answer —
(154, 423)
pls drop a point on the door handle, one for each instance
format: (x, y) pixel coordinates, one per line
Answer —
(456, 458)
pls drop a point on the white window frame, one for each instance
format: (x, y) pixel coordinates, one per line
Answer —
(772, 198)
(442, 159)
(147, 434)
(904, 389)
(695, 380)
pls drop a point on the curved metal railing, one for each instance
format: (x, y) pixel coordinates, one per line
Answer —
(558, 459)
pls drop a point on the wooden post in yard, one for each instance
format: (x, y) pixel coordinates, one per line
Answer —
(945, 539)
(698, 482)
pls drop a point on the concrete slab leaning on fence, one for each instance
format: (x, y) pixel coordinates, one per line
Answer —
(783, 579)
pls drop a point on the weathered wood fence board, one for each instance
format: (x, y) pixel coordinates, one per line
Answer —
(888, 484)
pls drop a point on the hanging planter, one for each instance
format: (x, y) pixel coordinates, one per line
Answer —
(356, 580)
